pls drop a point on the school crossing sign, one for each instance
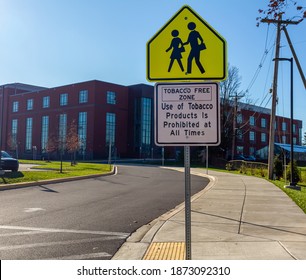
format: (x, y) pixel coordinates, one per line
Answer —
(186, 48)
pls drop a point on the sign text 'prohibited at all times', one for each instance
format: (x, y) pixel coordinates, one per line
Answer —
(187, 114)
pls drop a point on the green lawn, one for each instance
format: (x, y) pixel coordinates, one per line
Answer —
(53, 172)
(299, 197)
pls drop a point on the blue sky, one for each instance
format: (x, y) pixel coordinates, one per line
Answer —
(57, 42)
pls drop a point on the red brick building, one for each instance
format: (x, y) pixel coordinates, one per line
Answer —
(253, 128)
(108, 115)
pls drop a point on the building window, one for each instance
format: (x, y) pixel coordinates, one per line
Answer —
(252, 120)
(252, 136)
(294, 128)
(284, 126)
(284, 139)
(294, 140)
(111, 97)
(30, 104)
(15, 106)
(29, 130)
(146, 121)
(83, 96)
(44, 132)
(252, 151)
(143, 124)
(263, 122)
(62, 130)
(239, 118)
(82, 131)
(14, 134)
(239, 134)
(239, 150)
(63, 99)
(46, 101)
(110, 128)
(263, 137)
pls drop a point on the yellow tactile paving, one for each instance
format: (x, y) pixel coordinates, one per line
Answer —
(165, 251)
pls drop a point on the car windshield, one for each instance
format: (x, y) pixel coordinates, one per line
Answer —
(5, 155)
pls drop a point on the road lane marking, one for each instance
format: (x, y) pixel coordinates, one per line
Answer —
(30, 210)
(57, 230)
(47, 244)
(21, 233)
(84, 256)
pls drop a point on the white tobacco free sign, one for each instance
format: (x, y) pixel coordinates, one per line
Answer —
(187, 114)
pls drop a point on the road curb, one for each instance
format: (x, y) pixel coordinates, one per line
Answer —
(4, 187)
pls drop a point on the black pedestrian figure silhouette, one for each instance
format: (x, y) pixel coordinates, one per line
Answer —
(178, 48)
(193, 39)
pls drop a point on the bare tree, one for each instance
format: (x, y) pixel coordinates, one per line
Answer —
(51, 145)
(12, 143)
(230, 94)
(279, 8)
(72, 141)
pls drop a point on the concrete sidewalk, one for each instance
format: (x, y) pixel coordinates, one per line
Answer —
(235, 217)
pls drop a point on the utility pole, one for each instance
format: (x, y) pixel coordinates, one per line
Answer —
(279, 23)
(234, 126)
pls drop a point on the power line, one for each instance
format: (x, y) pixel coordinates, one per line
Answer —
(262, 60)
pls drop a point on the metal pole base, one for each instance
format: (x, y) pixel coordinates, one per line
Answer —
(293, 187)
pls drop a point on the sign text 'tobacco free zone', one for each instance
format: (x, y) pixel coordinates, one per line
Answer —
(187, 114)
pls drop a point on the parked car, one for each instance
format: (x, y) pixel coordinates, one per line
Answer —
(8, 162)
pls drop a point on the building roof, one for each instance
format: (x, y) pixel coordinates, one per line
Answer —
(254, 108)
(296, 148)
(24, 87)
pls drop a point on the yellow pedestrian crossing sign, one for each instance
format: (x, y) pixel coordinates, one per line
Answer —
(186, 48)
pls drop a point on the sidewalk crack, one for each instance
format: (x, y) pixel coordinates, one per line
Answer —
(242, 208)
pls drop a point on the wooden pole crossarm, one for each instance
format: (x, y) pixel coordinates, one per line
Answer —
(281, 21)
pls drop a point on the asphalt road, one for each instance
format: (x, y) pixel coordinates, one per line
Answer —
(87, 219)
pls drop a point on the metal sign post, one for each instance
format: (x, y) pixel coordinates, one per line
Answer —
(187, 203)
(206, 159)
(187, 114)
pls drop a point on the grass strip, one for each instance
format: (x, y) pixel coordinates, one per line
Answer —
(52, 171)
(299, 197)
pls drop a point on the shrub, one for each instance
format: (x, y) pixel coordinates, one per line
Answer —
(243, 168)
(278, 167)
(229, 166)
(296, 172)
(262, 171)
